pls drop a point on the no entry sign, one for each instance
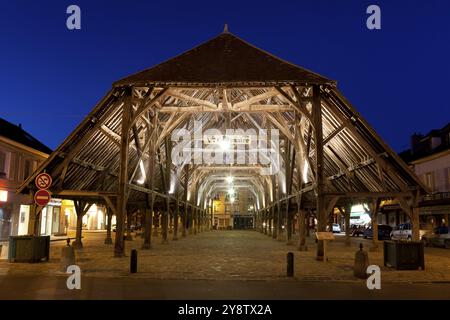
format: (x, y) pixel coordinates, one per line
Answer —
(42, 197)
(43, 181)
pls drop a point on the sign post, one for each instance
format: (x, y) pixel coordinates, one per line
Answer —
(325, 237)
(43, 181)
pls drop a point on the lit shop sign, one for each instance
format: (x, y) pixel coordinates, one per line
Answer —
(55, 202)
(3, 196)
(233, 139)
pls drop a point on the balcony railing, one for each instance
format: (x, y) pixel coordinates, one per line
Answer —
(436, 196)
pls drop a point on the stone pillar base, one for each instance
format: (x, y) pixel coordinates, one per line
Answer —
(108, 241)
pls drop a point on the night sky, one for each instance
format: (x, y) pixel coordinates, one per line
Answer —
(398, 77)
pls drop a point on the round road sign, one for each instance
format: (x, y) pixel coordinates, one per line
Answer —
(43, 181)
(42, 197)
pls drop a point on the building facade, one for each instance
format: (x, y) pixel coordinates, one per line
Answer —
(20, 155)
(429, 157)
(233, 211)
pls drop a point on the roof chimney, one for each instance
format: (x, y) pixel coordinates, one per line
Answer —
(415, 140)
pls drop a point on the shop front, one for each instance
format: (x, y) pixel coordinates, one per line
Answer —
(52, 219)
(94, 219)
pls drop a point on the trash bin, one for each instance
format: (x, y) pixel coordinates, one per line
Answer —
(403, 255)
(29, 248)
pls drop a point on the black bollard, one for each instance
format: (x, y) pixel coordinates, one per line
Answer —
(133, 261)
(290, 264)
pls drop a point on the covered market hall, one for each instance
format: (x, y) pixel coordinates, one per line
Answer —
(226, 120)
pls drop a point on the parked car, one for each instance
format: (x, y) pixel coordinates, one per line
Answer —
(356, 230)
(404, 232)
(438, 238)
(384, 232)
(336, 228)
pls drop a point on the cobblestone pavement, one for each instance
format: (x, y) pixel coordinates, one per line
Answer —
(229, 255)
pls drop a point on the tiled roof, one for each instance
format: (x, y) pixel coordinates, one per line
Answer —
(17, 134)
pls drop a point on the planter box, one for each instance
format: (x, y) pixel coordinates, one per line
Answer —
(404, 255)
(29, 248)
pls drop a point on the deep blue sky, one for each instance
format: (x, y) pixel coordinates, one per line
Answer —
(398, 78)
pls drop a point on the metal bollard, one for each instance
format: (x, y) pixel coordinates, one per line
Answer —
(290, 264)
(133, 261)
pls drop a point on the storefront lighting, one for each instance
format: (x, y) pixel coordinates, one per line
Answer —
(3, 196)
(229, 179)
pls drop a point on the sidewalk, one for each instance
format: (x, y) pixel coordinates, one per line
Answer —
(230, 255)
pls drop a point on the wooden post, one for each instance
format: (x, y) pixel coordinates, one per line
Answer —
(33, 224)
(190, 210)
(301, 229)
(165, 222)
(148, 224)
(280, 221)
(128, 236)
(211, 209)
(81, 207)
(265, 221)
(184, 218)
(176, 215)
(274, 226)
(156, 224)
(288, 224)
(109, 214)
(320, 180)
(119, 246)
(347, 215)
(374, 217)
(194, 219)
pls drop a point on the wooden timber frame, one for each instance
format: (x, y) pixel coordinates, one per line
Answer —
(329, 156)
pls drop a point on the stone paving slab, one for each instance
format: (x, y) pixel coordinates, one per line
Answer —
(230, 255)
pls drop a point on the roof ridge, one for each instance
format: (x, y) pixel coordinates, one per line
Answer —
(282, 70)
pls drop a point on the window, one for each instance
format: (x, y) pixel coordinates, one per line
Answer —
(429, 180)
(28, 169)
(4, 164)
(448, 178)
